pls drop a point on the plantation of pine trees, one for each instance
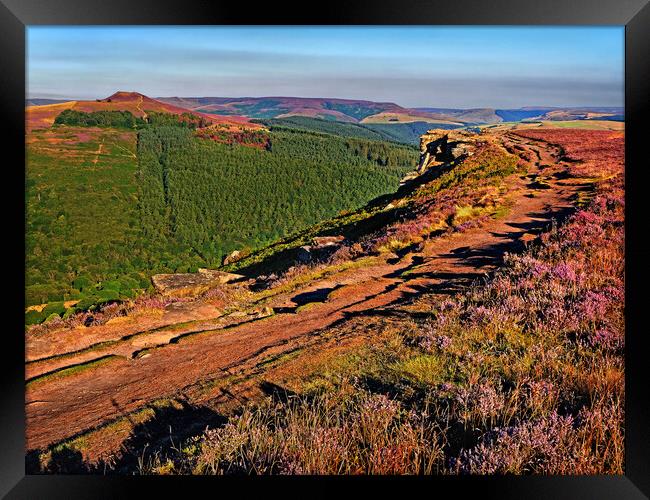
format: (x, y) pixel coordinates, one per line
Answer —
(214, 198)
(403, 132)
(126, 119)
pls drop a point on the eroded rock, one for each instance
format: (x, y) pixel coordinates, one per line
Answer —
(321, 247)
(232, 257)
(191, 284)
(442, 147)
(327, 241)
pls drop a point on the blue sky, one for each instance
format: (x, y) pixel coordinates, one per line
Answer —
(413, 66)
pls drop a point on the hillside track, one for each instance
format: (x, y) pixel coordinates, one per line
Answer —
(195, 347)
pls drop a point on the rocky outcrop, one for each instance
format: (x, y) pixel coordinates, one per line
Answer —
(321, 247)
(232, 257)
(319, 242)
(443, 147)
(191, 284)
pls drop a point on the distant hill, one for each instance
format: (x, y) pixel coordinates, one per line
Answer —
(138, 104)
(370, 112)
(341, 110)
(40, 102)
(468, 116)
(381, 116)
(489, 115)
(616, 114)
(282, 107)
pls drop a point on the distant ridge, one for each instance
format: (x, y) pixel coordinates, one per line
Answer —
(240, 110)
(37, 101)
(364, 111)
(336, 109)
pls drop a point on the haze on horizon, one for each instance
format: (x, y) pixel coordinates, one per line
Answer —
(446, 66)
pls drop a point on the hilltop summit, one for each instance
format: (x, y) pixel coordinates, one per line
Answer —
(123, 95)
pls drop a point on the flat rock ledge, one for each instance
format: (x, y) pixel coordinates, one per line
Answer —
(191, 284)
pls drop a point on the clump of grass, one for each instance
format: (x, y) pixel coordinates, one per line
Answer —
(327, 434)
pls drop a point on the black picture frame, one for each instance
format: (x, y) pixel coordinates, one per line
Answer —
(15, 15)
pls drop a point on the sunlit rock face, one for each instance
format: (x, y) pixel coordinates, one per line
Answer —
(442, 147)
(191, 284)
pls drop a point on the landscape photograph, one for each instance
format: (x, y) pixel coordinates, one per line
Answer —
(313, 250)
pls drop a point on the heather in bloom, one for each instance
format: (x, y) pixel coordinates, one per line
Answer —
(325, 435)
(522, 373)
(534, 446)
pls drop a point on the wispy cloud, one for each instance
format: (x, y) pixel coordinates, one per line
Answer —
(453, 67)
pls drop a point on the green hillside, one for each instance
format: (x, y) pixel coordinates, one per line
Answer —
(81, 217)
(106, 208)
(406, 133)
(340, 129)
(213, 198)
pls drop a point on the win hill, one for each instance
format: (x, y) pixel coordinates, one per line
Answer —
(39, 116)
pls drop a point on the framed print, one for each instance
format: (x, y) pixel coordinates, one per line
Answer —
(388, 245)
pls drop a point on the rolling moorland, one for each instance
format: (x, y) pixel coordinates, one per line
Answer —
(369, 112)
(468, 319)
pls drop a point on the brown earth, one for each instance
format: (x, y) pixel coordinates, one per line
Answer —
(195, 345)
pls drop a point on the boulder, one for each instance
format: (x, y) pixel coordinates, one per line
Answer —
(406, 179)
(321, 247)
(232, 257)
(191, 284)
(443, 147)
(263, 312)
(527, 238)
(263, 282)
(304, 254)
(327, 241)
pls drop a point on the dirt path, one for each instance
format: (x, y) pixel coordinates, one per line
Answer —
(138, 106)
(58, 408)
(98, 152)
